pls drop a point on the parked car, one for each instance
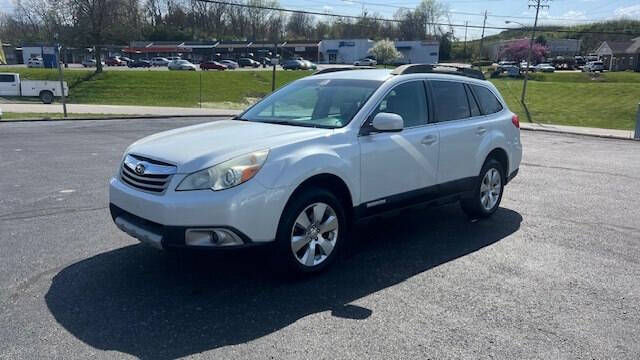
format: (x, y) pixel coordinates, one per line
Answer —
(242, 62)
(91, 63)
(181, 65)
(580, 61)
(126, 60)
(292, 65)
(365, 62)
(212, 65)
(159, 61)
(230, 64)
(46, 90)
(140, 64)
(276, 175)
(308, 65)
(114, 61)
(35, 62)
(593, 66)
(174, 58)
(544, 67)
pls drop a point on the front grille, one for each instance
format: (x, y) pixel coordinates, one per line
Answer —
(155, 177)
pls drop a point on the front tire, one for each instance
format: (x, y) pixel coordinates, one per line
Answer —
(487, 192)
(310, 233)
(46, 97)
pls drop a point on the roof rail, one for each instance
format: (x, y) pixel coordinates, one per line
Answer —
(438, 68)
(336, 69)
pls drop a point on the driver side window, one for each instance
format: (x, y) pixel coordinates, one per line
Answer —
(407, 100)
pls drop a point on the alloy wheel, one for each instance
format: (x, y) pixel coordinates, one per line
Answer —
(490, 189)
(314, 234)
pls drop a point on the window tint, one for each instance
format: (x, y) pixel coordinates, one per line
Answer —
(475, 110)
(408, 100)
(450, 100)
(7, 78)
(488, 102)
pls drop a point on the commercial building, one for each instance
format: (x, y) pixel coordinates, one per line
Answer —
(620, 55)
(197, 51)
(418, 52)
(346, 51)
(47, 52)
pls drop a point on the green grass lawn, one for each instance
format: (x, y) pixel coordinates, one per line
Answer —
(608, 100)
(162, 88)
(611, 101)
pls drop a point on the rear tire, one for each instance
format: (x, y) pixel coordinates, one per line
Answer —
(487, 191)
(46, 97)
(310, 234)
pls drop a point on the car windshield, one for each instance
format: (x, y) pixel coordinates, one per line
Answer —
(328, 103)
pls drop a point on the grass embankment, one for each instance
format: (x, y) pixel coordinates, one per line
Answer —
(608, 101)
(579, 99)
(230, 89)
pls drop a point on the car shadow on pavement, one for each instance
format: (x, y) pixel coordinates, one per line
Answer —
(142, 302)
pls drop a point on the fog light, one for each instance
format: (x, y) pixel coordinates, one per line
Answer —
(211, 238)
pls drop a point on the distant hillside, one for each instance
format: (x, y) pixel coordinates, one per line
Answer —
(590, 42)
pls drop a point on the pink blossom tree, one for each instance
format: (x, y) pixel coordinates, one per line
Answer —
(517, 51)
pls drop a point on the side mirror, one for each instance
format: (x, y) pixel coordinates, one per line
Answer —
(387, 122)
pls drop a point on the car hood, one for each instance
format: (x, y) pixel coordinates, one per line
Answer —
(197, 147)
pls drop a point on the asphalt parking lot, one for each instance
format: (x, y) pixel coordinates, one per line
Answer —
(554, 274)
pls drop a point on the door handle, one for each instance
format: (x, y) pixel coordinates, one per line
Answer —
(481, 131)
(429, 140)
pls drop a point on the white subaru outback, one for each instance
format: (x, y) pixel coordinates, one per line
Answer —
(300, 166)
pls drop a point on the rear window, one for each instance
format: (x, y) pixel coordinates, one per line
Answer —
(450, 100)
(489, 104)
(7, 78)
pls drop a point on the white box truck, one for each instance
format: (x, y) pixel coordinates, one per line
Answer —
(46, 90)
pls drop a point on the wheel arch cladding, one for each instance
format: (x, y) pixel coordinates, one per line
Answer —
(500, 155)
(332, 183)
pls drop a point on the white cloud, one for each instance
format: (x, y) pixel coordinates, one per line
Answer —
(632, 11)
(327, 8)
(574, 15)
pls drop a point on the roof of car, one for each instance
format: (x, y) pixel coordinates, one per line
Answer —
(369, 74)
(386, 74)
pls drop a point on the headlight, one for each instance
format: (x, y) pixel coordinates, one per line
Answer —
(227, 174)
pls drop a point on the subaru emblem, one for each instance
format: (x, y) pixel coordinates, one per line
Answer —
(140, 169)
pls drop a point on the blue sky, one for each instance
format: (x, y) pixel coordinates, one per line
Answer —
(560, 11)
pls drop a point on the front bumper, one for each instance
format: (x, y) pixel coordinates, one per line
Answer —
(250, 211)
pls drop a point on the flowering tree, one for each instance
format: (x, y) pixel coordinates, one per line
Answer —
(385, 51)
(517, 51)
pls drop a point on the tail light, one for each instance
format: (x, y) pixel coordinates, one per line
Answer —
(516, 121)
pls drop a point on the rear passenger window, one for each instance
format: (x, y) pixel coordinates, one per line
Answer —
(408, 100)
(7, 78)
(450, 99)
(475, 110)
(489, 104)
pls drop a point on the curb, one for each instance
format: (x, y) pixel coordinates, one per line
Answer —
(123, 117)
(602, 136)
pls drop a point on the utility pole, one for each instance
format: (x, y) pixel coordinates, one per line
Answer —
(466, 23)
(538, 5)
(61, 79)
(484, 24)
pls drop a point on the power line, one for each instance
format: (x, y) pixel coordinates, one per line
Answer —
(317, 13)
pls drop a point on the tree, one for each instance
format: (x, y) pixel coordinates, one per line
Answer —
(519, 50)
(98, 22)
(299, 26)
(385, 51)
